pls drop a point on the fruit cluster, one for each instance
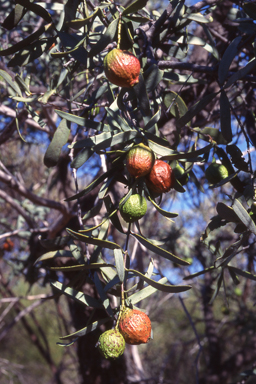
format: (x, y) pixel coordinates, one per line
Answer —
(134, 327)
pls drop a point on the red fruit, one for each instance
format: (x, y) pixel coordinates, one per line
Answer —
(139, 160)
(122, 68)
(135, 326)
(161, 177)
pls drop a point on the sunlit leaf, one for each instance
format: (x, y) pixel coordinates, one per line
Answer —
(244, 216)
(86, 330)
(106, 38)
(93, 240)
(134, 7)
(162, 211)
(119, 261)
(77, 296)
(159, 251)
(160, 286)
(145, 292)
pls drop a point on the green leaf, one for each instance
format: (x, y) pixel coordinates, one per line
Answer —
(102, 294)
(86, 330)
(12, 83)
(94, 183)
(227, 59)
(152, 77)
(244, 216)
(160, 286)
(176, 104)
(154, 119)
(93, 240)
(81, 157)
(14, 17)
(237, 157)
(197, 17)
(134, 7)
(195, 109)
(145, 292)
(245, 274)
(59, 139)
(53, 255)
(119, 260)
(211, 134)
(25, 42)
(32, 52)
(37, 9)
(241, 73)
(225, 117)
(79, 267)
(77, 295)
(74, 45)
(142, 96)
(79, 23)
(159, 251)
(162, 211)
(199, 273)
(233, 275)
(106, 38)
(218, 286)
(227, 213)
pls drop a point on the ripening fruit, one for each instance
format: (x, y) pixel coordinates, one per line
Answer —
(122, 68)
(215, 173)
(111, 344)
(161, 177)
(135, 326)
(139, 160)
(134, 208)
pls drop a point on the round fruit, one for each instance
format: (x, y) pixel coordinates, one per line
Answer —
(135, 326)
(134, 208)
(180, 174)
(139, 160)
(161, 177)
(122, 68)
(215, 173)
(111, 344)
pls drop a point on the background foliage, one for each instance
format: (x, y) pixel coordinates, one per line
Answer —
(64, 133)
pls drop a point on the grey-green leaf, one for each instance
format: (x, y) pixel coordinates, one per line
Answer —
(160, 286)
(227, 59)
(244, 216)
(159, 251)
(59, 139)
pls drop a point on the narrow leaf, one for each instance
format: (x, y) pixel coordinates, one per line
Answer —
(86, 330)
(145, 292)
(77, 295)
(13, 84)
(93, 240)
(225, 117)
(159, 251)
(134, 7)
(160, 286)
(245, 274)
(106, 38)
(227, 59)
(244, 216)
(119, 260)
(195, 109)
(162, 211)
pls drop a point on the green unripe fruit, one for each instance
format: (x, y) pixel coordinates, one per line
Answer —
(111, 344)
(122, 68)
(180, 174)
(134, 208)
(215, 173)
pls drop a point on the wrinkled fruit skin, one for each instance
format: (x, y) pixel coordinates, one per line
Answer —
(122, 68)
(139, 160)
(215, 173)
(135, 326)
(161, 177)
(134, 208)
(111, 344)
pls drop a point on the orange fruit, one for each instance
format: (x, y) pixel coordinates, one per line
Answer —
(122, 68)
(135, 326)
(161, 177)
(139, 160)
